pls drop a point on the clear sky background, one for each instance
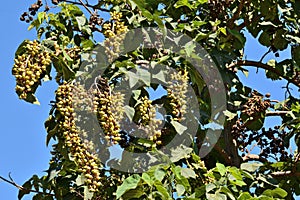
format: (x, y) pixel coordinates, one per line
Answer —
(23, 151)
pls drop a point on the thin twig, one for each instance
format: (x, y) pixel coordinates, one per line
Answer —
(85, 6)
(12, 182)
(236, 14)
(262, 58)
(88, 5)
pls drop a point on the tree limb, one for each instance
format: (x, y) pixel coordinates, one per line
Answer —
(277, 113)
(222, 152)
(266, 67)
(251, 157)
(285, 174)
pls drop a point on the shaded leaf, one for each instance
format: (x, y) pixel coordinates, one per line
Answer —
(221, 169)
(128, 184)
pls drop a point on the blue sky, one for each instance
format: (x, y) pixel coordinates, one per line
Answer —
(22, 145)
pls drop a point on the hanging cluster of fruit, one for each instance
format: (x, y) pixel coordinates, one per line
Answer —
(30, 67)
(88, 164)
(114, 31)
(256, 104)
(32, 10)
(109, 109)
(271, 141)
(148, 120)
(252, 110)
(178, 87)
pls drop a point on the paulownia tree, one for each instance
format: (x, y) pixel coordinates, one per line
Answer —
(68, 32)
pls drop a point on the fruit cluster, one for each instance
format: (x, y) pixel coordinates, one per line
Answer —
(30, 68)
(32, 10)
(148, 120)
(109, 109)
(88, 164)
(116, 27)
(218, 8)
(271, 141)
(72, 52)
(255, 104)
(95, 21)
(114, 31)
(178, 87)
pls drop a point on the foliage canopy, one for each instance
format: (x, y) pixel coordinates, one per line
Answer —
(68, 31)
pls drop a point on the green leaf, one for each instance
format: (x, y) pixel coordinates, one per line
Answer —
(81, 20)
(247, 175)
(133, 78)
(188, 173)
(162, 190)
(41, 17)
(147, 179)
(202, 1)
(226, 191)
(159, 174)
(229, 114)
(264, 39)
(222, 30)
(209, 187)
(144, 75)
(216, 196)
(160, 76)
(277, 193)
(129, 183)
(182, 3)
(27, 185)
(250, 167)
(296, 54)
(180, 152)
(235, 173)
(221, 169)
(244, 196)
(34, 23)
(87, 193)
(279, 40)
(241, 38)
(133, 194)
(52, 174)
(178, 127)
(80, 180)
(30, 98)
(129, 111)
(180, 190)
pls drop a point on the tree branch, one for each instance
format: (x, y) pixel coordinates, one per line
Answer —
(222, 152)
(277, 113)
(266, 67)
(251, 157)
(285, 174)
(236, 14)
(12, 182)
(86, 5)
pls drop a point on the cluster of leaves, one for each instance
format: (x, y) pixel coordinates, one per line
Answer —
(66, 33)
